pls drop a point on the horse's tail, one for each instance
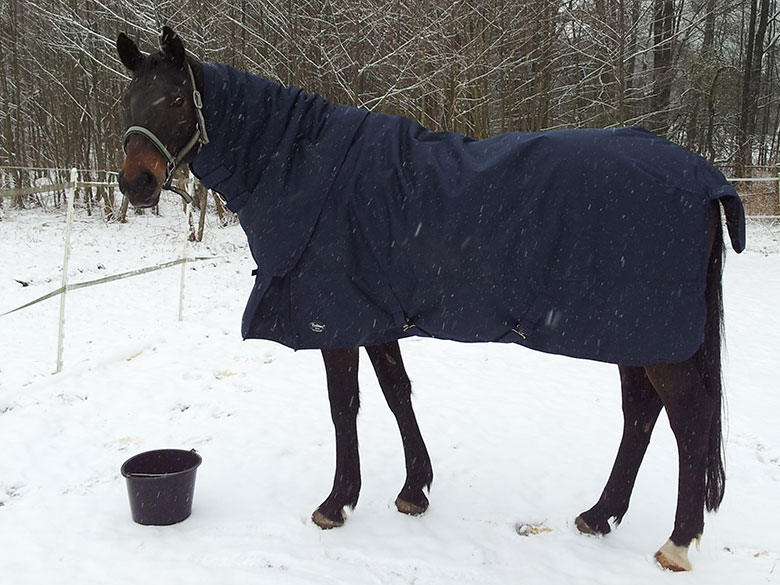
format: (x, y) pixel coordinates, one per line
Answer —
(709, 358)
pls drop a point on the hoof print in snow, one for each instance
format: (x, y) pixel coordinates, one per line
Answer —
(531, 528)
(123, 444)
(8, 494)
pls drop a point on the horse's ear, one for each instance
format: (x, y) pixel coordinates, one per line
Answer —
(128, 52)
(172, 46)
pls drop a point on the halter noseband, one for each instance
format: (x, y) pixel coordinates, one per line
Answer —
(199, 137)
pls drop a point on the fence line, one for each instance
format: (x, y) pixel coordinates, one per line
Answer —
(38, 169)
(71, 187)
(61, 186)
(775, 178)
(24, 191)
(111, 278)
(74, 184)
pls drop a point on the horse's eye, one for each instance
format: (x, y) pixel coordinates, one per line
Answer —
(178, 101)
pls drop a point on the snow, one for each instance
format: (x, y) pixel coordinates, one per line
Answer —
(516, 437)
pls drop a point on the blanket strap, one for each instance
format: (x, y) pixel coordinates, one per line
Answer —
(538, 308)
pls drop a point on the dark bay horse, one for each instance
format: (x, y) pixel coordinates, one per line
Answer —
(170, 123)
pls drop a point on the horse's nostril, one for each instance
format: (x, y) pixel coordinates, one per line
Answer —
(149, 179)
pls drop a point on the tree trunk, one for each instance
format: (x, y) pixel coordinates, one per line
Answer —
(707, 66)
(663, 32)
(751, 83)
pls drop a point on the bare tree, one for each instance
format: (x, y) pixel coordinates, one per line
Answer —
(703, 72)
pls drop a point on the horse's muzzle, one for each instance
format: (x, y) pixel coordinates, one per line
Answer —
(143, 190)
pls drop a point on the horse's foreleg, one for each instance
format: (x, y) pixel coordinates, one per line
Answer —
(397, 388)
(641, 406)
(341, 367)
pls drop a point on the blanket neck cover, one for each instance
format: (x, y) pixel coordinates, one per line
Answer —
(368, 228)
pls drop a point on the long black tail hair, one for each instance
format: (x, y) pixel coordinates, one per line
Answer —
(709, 358)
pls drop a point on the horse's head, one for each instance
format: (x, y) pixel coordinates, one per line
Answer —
(162, 112)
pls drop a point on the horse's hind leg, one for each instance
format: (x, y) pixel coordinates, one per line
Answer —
(341, 366)
(397, 389)
(692, 393)
(694, 415)
(641, 406)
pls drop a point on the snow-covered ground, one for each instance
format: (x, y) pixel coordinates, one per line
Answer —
(516, 437)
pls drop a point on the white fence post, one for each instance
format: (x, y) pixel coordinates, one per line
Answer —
(74, 176)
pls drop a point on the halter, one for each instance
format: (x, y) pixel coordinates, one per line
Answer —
(199, 137)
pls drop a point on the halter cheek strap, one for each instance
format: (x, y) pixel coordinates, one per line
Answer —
(199, 137)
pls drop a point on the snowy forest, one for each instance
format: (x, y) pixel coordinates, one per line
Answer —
(701, 72)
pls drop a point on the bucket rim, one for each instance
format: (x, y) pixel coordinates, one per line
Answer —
(197, 460)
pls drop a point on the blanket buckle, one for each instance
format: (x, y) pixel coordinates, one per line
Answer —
(520, 332)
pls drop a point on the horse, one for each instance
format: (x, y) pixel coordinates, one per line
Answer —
(668, 354)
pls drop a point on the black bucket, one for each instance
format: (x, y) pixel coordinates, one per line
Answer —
(161, 485)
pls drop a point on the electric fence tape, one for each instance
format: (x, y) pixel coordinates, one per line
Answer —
(112, 278)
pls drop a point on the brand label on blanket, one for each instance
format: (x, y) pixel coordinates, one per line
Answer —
(317, 327)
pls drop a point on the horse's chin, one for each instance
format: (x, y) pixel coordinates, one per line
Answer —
(142, 201)
(146, 203)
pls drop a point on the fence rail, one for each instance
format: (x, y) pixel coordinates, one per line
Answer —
(24, 191)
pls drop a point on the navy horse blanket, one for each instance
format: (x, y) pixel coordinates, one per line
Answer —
(367, 228)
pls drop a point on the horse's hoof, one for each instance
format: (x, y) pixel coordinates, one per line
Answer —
(326, 523)
(583, 527)
(673, 558)
(408, 508)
